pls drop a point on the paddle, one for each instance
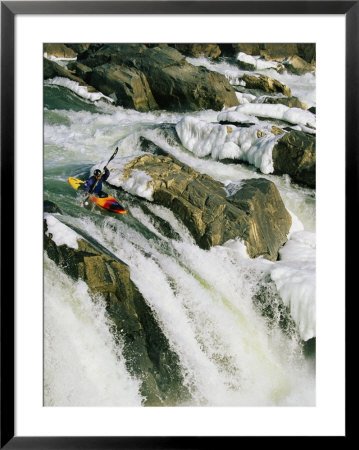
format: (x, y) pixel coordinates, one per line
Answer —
(99, 178)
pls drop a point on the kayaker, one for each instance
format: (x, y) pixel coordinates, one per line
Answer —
(96, 178)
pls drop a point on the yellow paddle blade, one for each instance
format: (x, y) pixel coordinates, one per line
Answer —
(75, 182)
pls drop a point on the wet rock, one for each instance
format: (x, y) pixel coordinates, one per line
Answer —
(295, 155)
(278, 52)
(291, 102)
(78, 48)
(298, 66)
(178, 85)
(118, 54)
(175, 84)
(80, 70)
(249, 49)
(277, 131)
(307, 52)
(59, 51)
(198, 50)
(52, 70)
(146, 350)
(256, 213)
(127, 86)
(266, 84)
(51, 207)
(243, 65)
(269, 221)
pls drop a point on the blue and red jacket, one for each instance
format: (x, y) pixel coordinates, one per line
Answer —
(92, 180)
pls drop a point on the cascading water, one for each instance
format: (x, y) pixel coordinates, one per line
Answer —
(229, 351)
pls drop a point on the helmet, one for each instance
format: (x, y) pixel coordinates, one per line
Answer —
(97, 172)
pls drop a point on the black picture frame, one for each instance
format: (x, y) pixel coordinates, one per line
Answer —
(9, 9)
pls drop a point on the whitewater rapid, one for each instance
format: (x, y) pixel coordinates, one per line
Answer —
(229, 353)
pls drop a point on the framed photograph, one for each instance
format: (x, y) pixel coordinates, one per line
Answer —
(175, 183)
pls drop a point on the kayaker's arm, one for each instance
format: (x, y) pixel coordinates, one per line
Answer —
(106, 174)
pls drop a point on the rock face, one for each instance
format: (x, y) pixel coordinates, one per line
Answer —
(146, 350)
(183, 87)
(52, 70)
(129, 87)
(255, 213)
(175, 84)
(266, 84)
(295, 155)
(249, 49)
(278, 52)
(198, 50)
(81, 71)
(269, 221)
(59, 51)
(298, 66)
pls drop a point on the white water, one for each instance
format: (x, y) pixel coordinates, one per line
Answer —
(202, 299)
(83, 365)
(302, 86)
(203, 303)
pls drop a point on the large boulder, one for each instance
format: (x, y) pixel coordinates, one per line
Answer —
(175, 84)
(146, 350)
(59, 51)
(295, 155)
(266, 84)
(307, 52)
(249, 49)
(119, 54)
(78, 48)
(180, 86)
(80, 70)
(127, 86)
(255, 214)
(269, 220)
(278, 52)
(198, 50)
(298, 65)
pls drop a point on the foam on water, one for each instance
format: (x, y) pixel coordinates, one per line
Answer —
(60, 233)
(302, 86)
(258, 62)
(82, 364)
(226, 355)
